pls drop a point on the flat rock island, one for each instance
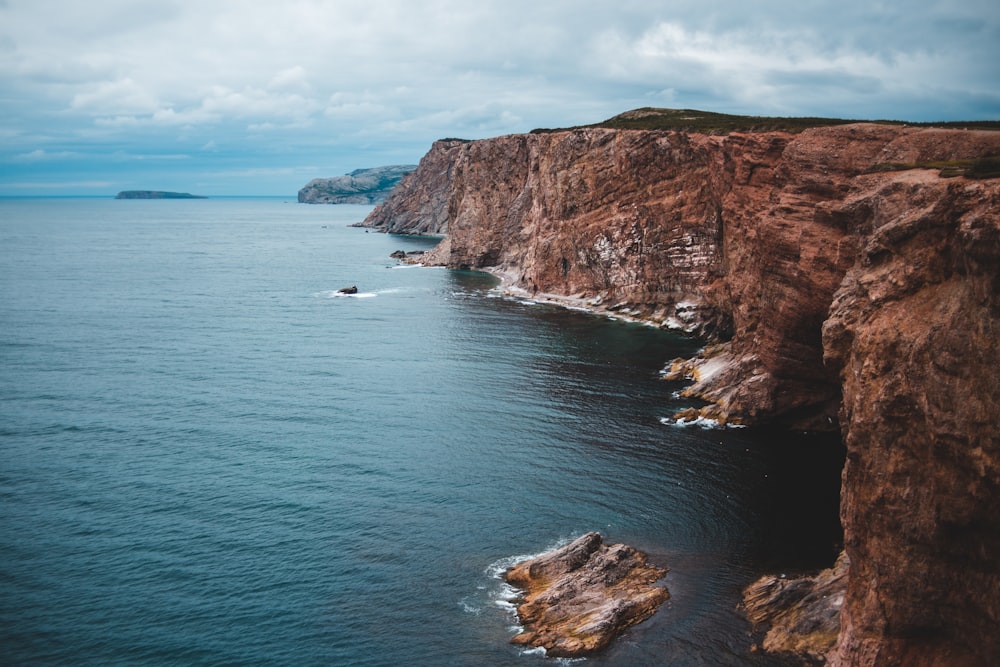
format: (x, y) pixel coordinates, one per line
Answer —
(578, 598)
(155, 194)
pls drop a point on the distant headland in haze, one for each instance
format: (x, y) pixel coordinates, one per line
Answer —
(361, 186)
(155, 194)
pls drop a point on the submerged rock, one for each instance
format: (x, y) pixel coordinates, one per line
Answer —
(581, 596)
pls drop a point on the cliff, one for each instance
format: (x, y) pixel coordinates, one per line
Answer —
(361, 186)
(847, 276)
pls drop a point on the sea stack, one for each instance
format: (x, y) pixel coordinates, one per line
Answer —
(578, 598)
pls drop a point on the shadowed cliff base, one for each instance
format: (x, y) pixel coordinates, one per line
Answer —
(846, 275)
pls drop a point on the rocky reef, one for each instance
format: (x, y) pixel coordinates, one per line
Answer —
(361, 186)
(847, 278)
(578, 598)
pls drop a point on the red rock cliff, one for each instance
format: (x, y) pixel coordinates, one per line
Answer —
(829, 289)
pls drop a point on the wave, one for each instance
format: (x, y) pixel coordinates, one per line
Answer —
(335, 294)
(706, 423)
(498, 594)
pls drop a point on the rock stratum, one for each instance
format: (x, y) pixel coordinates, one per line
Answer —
(361, 186)
(847, 278)
(578, 598)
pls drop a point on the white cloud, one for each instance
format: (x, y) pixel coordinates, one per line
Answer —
(346, 76)
(111, 98)
(62, 186)
(42, 155)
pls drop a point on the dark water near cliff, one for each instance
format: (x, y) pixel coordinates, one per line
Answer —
(207, 458)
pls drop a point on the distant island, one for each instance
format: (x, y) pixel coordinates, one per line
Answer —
(155, 194)
(361, 186)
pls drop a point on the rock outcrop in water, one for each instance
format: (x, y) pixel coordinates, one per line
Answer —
(581, 596)
(847, 282)
(801, 616)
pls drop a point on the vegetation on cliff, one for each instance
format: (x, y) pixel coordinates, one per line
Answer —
(708, 122)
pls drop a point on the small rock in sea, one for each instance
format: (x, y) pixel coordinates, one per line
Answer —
(581, 596)
(353, 289)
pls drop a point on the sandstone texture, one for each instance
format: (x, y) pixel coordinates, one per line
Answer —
(578, 598)
(739, 238)
(361, 186)
(914, 330)
(801, 616)
(835, 294)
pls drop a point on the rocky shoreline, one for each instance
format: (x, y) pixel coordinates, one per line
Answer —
(845, 278)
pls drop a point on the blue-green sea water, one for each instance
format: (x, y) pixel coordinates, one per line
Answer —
(209, 457)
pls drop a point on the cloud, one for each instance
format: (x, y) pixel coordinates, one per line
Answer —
(41, 155)
(62, 186)
(360, 80)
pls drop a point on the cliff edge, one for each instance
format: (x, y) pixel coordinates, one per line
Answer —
(847, 276)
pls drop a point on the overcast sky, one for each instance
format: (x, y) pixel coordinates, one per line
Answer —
(258, 97)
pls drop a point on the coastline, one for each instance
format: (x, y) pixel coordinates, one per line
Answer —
(593, 305)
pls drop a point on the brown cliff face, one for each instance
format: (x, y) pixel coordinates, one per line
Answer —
(827, 288)
(914, 330)
(740, 238)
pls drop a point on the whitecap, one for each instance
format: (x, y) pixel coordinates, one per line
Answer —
(706, 423)
(469, 608)
(335, 294)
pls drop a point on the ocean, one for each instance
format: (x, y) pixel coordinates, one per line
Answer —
(208, 456)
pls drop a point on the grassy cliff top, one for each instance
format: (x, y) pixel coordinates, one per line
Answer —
(707, 122)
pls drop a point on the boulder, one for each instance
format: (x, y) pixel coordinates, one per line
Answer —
(800, 616)
(578, 598)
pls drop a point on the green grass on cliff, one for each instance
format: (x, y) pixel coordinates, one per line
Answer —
(707, 122)
(987, 167)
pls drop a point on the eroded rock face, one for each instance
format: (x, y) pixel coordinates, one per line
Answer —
(915, 332)
(743, 239)
(580, 597)
(833, 292)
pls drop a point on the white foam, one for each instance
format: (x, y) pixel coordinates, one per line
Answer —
(706, 423)
(469, 608)
(504, 596)
(334, 294)
(505, 605)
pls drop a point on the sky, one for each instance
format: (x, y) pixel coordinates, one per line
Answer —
(230, 97)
